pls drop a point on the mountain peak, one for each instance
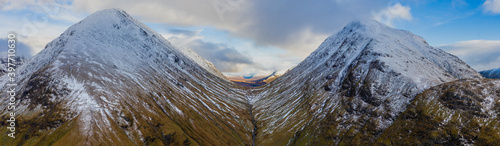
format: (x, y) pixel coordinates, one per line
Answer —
(103, 29)
(366, 24)
(379, 31)
(108, 14)
(106, 19)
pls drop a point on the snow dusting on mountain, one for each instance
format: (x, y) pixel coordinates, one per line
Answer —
(364, 75)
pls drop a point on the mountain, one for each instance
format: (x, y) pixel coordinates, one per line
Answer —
(352, 87)
(109, 79)
(492, 74)
(18, 61)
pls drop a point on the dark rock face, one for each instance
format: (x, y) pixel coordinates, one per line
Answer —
(460, 99)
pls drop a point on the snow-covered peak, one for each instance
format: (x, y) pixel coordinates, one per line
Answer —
(365, 68)
(117, 21)
(392, 46)
(375, 30)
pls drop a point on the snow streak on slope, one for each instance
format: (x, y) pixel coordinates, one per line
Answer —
(365, 74)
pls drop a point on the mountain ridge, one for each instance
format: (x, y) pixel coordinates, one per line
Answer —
(492, 73)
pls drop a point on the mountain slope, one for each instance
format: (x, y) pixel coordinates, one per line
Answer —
(462, 112)
(203, 63)
(352, 87)
(110, 79)
(492, 74)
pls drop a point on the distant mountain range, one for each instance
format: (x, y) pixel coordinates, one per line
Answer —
(111, 80)
(492, 74)
(251, 82)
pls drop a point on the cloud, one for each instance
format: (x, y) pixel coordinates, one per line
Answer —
(492, 6)
(301, 26)
(225, 58)
(22, 49)
(479, 54)
(392, 13)
(278, 23)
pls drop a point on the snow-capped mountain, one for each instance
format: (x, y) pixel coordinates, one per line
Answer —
(18, 61)
(492, 74)
(110, 80)
(352, 87)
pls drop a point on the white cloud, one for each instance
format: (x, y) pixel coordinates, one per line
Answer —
(479, 54)
(392, 13)
(492, 6)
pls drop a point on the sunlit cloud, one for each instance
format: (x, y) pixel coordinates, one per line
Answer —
(225, 57)
(479, 54)
(393, 13)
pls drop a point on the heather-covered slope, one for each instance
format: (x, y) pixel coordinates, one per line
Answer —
(110, 79)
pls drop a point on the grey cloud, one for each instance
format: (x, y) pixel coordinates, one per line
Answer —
(21, 49)
(479, 54)
(225, 58)
(279, 23)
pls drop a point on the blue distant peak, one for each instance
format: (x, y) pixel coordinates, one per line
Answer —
(248, 77)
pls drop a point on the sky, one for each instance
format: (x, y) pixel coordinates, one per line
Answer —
(258, 37)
